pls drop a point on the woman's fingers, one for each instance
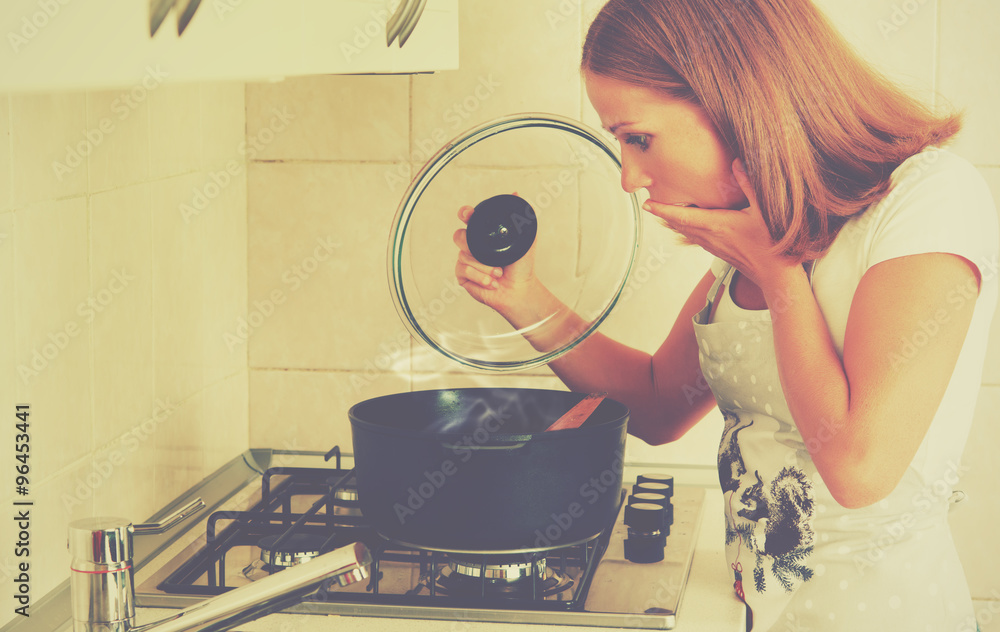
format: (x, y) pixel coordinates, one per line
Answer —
(464, 213)
(482, 274)
(460, 240)
(471, 273)
(469, 268)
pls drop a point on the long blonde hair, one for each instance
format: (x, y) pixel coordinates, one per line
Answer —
(819, 130)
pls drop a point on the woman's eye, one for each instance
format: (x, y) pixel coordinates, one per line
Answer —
(640, 140)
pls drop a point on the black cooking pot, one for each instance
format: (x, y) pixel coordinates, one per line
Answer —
(474, 470)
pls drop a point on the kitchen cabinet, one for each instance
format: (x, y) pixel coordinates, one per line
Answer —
(94, 44)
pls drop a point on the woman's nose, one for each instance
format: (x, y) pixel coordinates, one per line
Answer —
(633, 177)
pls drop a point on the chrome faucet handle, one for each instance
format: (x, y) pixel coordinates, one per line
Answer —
(191, 508)
(346, 565)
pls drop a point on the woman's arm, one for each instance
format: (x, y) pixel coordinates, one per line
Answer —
(862, 418)
(665, 393)
(865, 417)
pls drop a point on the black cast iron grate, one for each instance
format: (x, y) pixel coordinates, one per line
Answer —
(335, 522)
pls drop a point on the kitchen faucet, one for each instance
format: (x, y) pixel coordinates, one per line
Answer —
(103, 591)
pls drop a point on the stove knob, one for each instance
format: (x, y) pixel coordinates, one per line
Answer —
(643, 549)
(645, 517)
(665, 479)
(647, 532)
(654, 488)
(657, 499)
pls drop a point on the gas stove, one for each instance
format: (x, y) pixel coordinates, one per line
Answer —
(269, 510)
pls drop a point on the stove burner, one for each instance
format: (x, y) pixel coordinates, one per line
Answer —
(347, 494)
(298, 548)
(347, 502)
(497, 572)
(469, 577)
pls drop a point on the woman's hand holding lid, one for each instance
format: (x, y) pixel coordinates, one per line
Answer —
(504, 289)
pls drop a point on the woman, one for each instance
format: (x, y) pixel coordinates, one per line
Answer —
(842, 327)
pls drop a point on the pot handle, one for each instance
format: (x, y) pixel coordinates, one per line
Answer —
(471, 446)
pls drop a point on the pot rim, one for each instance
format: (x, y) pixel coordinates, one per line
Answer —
(619, 419)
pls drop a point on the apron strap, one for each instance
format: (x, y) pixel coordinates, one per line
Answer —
(712, 299)
(714, 291)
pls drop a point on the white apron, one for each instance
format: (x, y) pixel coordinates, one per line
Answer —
(800, 561)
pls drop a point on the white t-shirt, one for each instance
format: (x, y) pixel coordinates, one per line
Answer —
(892, 563)
(938, 203)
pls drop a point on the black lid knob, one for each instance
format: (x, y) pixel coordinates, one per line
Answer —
(501, 230)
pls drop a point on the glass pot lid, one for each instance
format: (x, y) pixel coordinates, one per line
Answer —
(583, 227)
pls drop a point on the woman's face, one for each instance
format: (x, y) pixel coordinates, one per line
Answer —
(669, 147)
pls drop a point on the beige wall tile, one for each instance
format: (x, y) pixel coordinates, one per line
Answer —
(329, 118)
(174, 129)
(5, 161)
(50, 142)
(899, 43)
(199, 280)
(991, 370)
(969, 54)
(224, 276)
(122, 288)
(122, 158)
(539, 76)
(53, 322)
(307, 410)
(181, 344)
(179, 336)
(127, 475)
(317, 240)
(972, 520)
(179, 463)
(226, 433)
(8, 373)
(122, 480)
(223, 123)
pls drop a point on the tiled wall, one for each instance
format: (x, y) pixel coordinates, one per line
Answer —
(122, 269)
(335, 175)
